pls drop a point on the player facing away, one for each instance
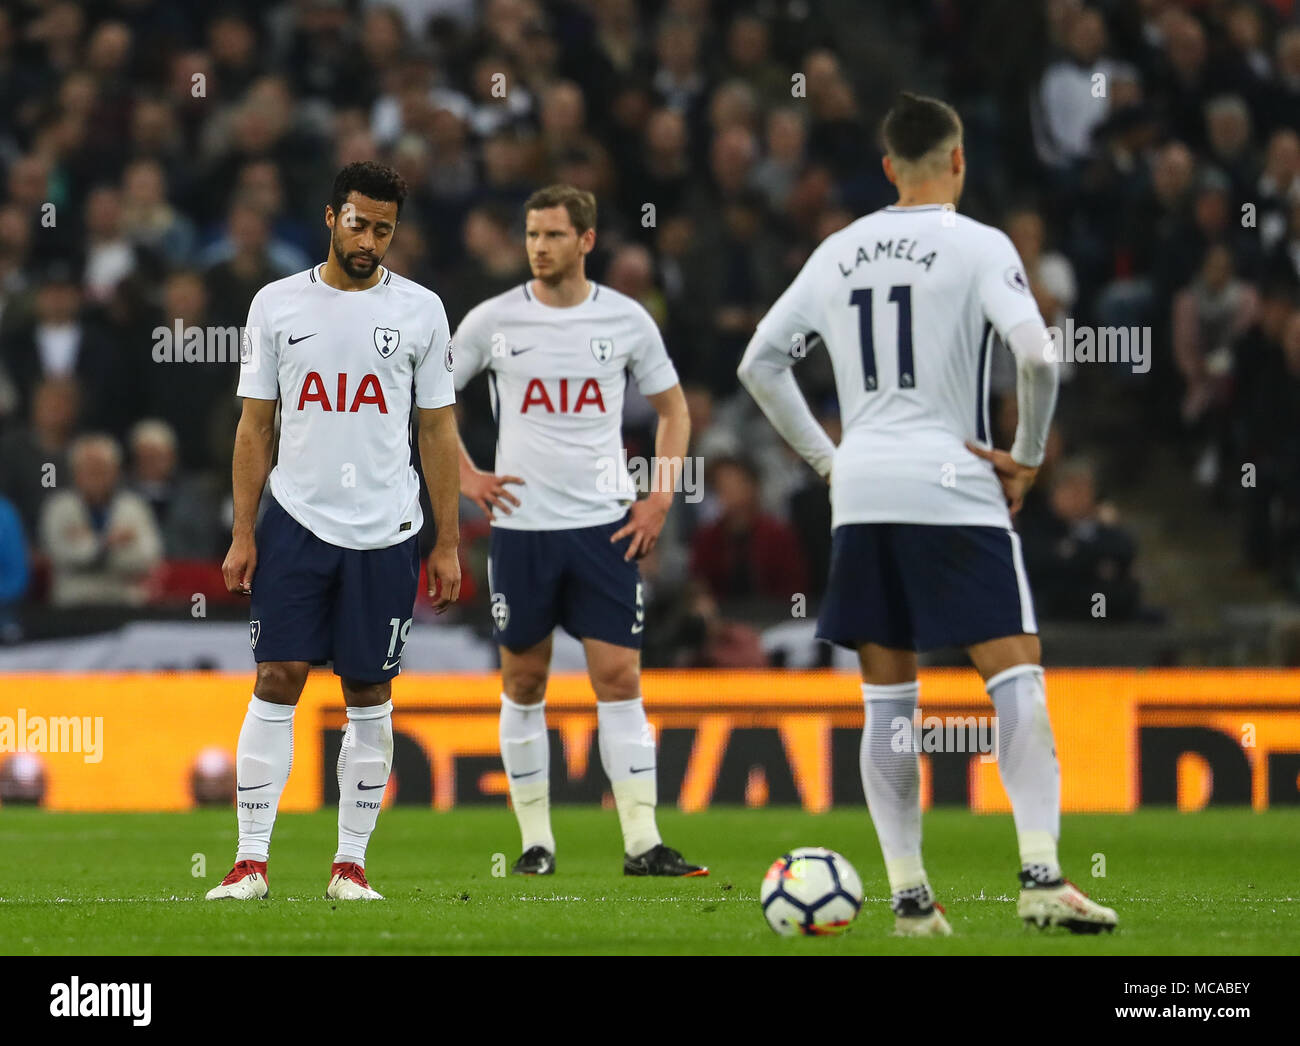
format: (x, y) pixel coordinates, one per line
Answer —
(345, 348)
(907, 301)
(559, 351)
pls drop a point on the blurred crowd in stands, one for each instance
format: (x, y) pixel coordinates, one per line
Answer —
(160, 162)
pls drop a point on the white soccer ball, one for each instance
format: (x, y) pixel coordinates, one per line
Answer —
(811, 891)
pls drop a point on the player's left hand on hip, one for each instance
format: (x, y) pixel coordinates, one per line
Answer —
(444, 578)
(644, 522)
(1015, 478)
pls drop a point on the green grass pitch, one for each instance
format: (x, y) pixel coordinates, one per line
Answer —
(1219, 882)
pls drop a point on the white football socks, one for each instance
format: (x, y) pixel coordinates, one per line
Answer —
(891, 779)
(627, 752)
(526, 753)
(1027, 763)
(263, 759)
(365, 759)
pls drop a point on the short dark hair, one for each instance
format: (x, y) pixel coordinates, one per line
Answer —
(580, 204)
(915, 125)
(369, 179)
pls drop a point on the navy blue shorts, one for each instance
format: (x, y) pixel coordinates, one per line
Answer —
(313, 601)
(575, 578)
(912, 586)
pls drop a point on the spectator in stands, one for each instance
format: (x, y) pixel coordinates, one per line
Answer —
(14, 572)
(100, 538)
(563, 117)
(1268, 388)
(1078, 558)
(185, 391)
(184, 506)
(631, 271)
(745, 553)
(110, 255)
(1285, 259)
(660, 173)
(16, 234)
(678, 78)
(493, 238)
(1067, 106)
(1051, 282)
(1209, 317)
(1284, 101)
(1184, 76)
(33, 458)
(1230, 138)
(786, 141)
(749, 59)
(261, 186)
(60, 343)
(243, 263)
(148, 217)
(1278, 187)
(248, 236)
(1263, 428)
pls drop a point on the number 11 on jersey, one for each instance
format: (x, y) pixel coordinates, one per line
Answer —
(901, 295)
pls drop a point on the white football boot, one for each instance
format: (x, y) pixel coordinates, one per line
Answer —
(1062, 904)
(247, 881)
(348, 883)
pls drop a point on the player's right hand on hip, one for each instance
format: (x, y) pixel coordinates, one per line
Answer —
(238, 566)
(488, 491)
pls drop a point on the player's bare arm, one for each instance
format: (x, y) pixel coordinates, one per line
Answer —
(1016, 479)
(486, 489)
(646, 517)
(254, 439)
(439, 451)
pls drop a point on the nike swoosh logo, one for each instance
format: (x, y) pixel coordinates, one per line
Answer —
(249, 788)
(294, 341)
(518, 352)
(528, 774)
(640, 769)
(363, 787)
(393, 665)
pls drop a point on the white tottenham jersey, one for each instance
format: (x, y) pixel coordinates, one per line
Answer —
(907, 301)
(557, 381)
(344, 365)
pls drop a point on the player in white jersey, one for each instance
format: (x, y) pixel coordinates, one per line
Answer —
(559, 351)
(907, 301)
(346, 349)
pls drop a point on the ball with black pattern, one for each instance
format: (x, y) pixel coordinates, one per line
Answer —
(811, 891)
